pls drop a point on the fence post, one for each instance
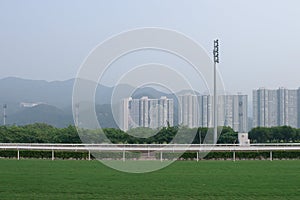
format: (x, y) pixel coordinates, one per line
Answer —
(89, 155)
(271, 155)
(52, 154)
(197, 156)
(18, 156)
(161, 158)
(124, 154)
(234, 156)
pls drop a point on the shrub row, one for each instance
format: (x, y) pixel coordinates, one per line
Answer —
(67, 154)
(44, 154)
(117, 155)
(229, 155)
(137, 155)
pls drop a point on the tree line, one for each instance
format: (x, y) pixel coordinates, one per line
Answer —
(278, 134)
(43, 133)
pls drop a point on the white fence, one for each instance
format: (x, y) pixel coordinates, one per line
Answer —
(144, 148)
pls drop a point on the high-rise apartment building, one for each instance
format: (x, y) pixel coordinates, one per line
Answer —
(275, 107)
(189, 110)
(233, 112)
(145, 112)
(197, 111)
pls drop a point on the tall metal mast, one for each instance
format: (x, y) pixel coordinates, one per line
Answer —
(77, 115)
(215, 99)
(4, 114)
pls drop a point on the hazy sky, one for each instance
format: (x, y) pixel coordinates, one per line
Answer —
(259, 40)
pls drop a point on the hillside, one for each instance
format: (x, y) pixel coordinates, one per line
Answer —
(55, 101)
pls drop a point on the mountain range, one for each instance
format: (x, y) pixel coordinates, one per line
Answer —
(31, 101)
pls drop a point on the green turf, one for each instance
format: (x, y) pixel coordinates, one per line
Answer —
(46, 179)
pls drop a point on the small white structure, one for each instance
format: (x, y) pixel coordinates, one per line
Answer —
(29, 104)
(243, 139)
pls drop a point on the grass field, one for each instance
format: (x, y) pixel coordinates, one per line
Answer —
(66, 179)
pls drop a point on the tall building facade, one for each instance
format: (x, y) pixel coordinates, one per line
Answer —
(189, 110)
(145, 112)
(197, 111)
(276, 107)
(233, 112)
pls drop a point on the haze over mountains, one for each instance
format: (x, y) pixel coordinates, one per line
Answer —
(55, 101)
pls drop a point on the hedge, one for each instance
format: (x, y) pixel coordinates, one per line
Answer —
(229, 155)
(137, 155)
(67, 154)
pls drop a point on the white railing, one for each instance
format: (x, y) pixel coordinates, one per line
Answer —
(152, 147)
(162, 148)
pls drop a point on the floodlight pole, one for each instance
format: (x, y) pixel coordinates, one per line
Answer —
(200, 137)
(4, 114)
(216, 60)
(77, 115)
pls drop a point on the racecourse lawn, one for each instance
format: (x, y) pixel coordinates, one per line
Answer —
(71, 179)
